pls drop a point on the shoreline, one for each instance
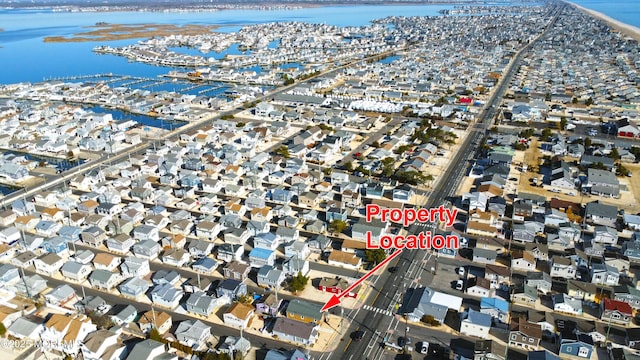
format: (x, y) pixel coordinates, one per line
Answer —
(623, 28)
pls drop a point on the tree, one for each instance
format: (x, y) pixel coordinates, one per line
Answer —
(327, 171)
(430, 320)
(375, 144)
(587, 142)
(3, 329)
(101, 321)
(375, 256)
(519, 146)
(154, 334)
(546, 133)
(246, 299)
(574, 100)
(70, 154)
(622, 171)
(589, 101)
(614, 154)
(298, 282)
(348, 166)
(283, 151)
(563, 123)
(240, 124)
(338, 226)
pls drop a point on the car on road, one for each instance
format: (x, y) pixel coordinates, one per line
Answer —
(365, 147)
(357, 335)
(461, 271)
(358, 154)
(403, 341)
(393, 269)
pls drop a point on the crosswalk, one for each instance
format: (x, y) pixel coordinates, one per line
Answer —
(378, 310)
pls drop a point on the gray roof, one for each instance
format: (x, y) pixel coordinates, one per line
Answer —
(101, 275)
(305, 308)
(597, 208)
(418, 303)
(478, 318)
(485, 253)
(602, 176)
(143, 349)
(62, 292)
(299, 329)
(23, 327)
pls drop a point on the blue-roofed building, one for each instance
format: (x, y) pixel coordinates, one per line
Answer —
(56, 245)
(71, 233)
(498, 309)
(260, 257)
(205, 265)
(281, 195)
(267, 240)
(475, 323)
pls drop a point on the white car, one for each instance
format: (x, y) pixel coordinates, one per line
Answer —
(459, 285)
(423, 347)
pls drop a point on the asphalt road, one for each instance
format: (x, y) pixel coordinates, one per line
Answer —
(392, 287)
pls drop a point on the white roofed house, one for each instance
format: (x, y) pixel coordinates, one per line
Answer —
(193, 333)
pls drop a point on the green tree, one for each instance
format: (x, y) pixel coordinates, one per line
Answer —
(338, 226)
(375, 144)
(240, 125)
(587, 143)
(154, 334)
(563, 123)
(327, 171)
(298, 282)
(246, 299)
(546, 133)
(375, 256)
(283, 151)
(348, 166)
(574, 100)
(614, 154)
(3, 329)
(519, 146)
(620, 171)
(589, 101)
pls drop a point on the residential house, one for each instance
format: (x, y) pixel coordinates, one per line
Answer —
(562, 267)
(259, 257)
(523, 260)
(423, 301)
(539, 280)
(337, 285)
(582, 290)
(497, 308)
(525, 335)
(270, 277)
(239, 315)
(48, 263)
(134, 287)
(134, 267)
(298, 332)
(304, 311)
(231, 289)
(604, 274)
(344, 259)
(475, 323)
(74, 270)
(159, 320)
(166, 295)
(104, 279)
(564, 303)
(201, 304)
(236, 271)
(268, 305)
(615, 311)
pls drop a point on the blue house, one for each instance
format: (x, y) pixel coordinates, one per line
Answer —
(281, 195)
(71, 233)
(205, 265)
(55, 245)
(260, 257)
(190, 180)
(497, 308)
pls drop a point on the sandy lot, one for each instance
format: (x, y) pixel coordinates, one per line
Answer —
(109, 32)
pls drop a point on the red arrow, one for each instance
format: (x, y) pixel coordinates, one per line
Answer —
(335, 299)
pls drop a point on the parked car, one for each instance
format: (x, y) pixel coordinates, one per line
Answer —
(459, 285)
(423, 347)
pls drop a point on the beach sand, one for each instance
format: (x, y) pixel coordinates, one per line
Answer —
(629, 30)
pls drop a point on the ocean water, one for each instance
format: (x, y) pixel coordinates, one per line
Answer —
(24, 57)
(627, 11)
